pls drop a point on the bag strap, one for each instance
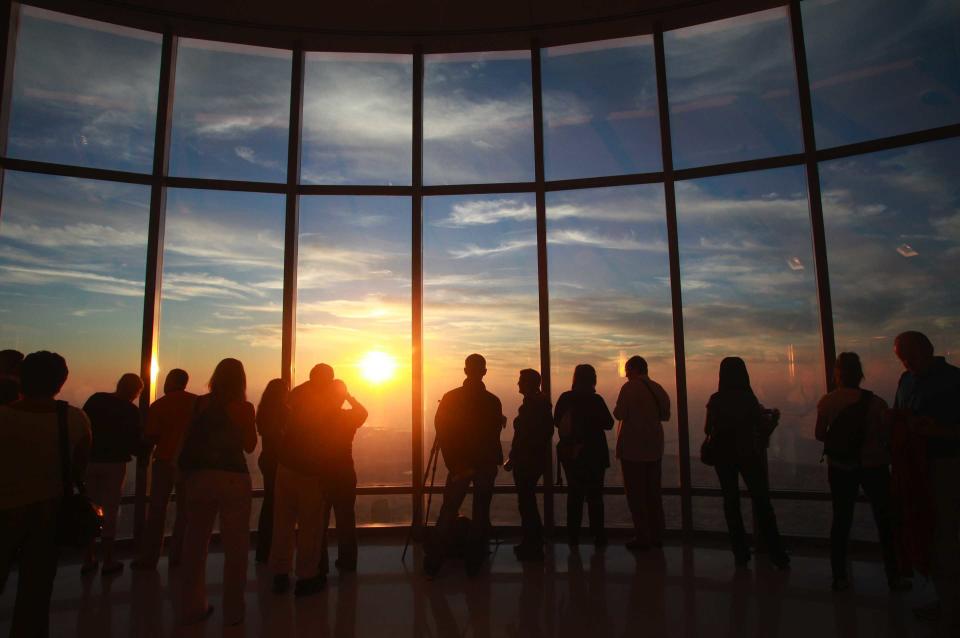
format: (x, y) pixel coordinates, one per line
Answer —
(64, 439)
(646, 384)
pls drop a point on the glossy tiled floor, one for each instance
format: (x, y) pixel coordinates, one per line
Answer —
(680, 592)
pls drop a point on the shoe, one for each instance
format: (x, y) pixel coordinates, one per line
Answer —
(840, 584)
(929, 612)
(89, 568)
(637, 546)
(140, 565)
(112, 568)
(781, 563)
(530, 553)
(308, 586)
(900, 585)
(281, 583)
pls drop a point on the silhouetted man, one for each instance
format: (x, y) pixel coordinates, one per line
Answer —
(167, 422)
(468, 424)
(10, 376)
(529, 453)
(929, 392)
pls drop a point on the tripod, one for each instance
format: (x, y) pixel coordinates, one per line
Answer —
(430, 470)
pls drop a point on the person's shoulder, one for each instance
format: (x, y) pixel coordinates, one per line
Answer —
(714, 399)
(492, 398)
(78, 418)
(877, 402)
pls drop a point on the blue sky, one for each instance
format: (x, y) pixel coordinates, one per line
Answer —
(72, 251)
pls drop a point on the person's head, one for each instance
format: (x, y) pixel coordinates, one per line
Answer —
(10, 363)
(129, 386)
(176, 381)
(229, 381)
(274, 394)
(529, 382)
(848, 371)
(734, 376)
(475, 366)
(914, 350)
(42, 374)
(584, 378)
(635, 367)
(321, 374)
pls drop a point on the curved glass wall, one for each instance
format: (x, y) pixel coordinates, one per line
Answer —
(391, 248)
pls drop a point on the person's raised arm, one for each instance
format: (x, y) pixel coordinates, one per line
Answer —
(358, 413)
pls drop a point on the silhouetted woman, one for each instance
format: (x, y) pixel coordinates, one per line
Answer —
(218, 483)
(734, 417)
(272, 415)
(582, 418)
(31, 485)
(864, 463)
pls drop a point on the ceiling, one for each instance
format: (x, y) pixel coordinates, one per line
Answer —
(403, 24)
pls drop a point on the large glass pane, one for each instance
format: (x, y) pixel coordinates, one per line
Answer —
(222, 286)
(357, 119)
(72, 259)
(83, 92)
(749, 290)
(231, 112)
(881, 67)
(610, 294)
(480, 295)
(733, 90)
(353, 312)
(600, 109)
(477, 118)
(893, 240)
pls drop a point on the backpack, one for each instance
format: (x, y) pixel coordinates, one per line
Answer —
(845, 436)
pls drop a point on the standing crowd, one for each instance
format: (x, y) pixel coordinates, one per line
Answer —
(198, 447)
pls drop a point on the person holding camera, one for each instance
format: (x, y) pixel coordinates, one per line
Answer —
(737, 426)
(529, 453)
(468, 424)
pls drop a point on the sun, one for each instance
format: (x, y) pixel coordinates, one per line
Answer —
(377, 366)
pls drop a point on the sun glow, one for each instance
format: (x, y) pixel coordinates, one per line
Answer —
(377, 366)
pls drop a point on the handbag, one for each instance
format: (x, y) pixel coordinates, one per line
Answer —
(708, 452)
(80, 520)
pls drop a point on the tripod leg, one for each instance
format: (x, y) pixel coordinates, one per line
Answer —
(432, 459)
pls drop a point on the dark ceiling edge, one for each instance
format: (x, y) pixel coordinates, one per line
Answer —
(676, 15)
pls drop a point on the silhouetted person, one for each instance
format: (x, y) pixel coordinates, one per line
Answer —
(641, 407)
(850, 419)
(339, 477)
(529, 454)
(167, 421)
(218, 485)
(582, 419)
(734, 418)
(929, 393)
(468, 424)
(31, 485)
(298, 505)
(10, 376)
(115, 423)
(272, 416)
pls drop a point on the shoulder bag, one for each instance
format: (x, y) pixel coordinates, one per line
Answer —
(80, 520)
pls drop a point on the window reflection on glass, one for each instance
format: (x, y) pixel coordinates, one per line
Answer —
(600, 109)
(480, 295)
(610, 295)
(733, 90)
(83, 92)
(222, 286)
(881, 67)
(353, 312)
(477, 118)
(357, 118)
(72, 259)
(893, 241)
(231, 112)
(749, 290)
